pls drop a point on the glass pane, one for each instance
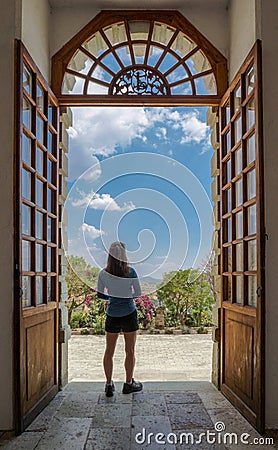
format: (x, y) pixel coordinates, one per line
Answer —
(27, 79)
(50, 142)
(250, 114)
(49, 200)
(39, 258)
(198, 63)
(227, 259)
(50, 224)
(116, 33)
(39, 225)
(227, 288)
(239, 225)
(229, 200)
(238, 129)
(182, 45)
(252, 288)
(96, 45)
(27, 111)
(39, 193)
(49, 170)
(154, 55)
(111, 62)
(178, 74)
(228, 230)
(94, 88)
(227, 113)
(182, 89)
(250, 80)
(237, 97)
(206, 85)
(49, 288)
(26, 184)
(238, 191)
(26, 256)
(50, 112)
(162, 33)
(50, 254)
(138, 30)
(26, 219)
(251, 219)
(228, 169)
(39, 290)
(239, 288)
(167, 62)
(26, 149)
(73, 84)
(251, 149)
(238, 161)
(251, 184)
(239, 257)
(124, 55)
(26, 291)
(252, 255)
(40, 128)
(40, 98)
(39, 162)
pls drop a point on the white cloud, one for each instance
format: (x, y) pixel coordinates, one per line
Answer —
(101, 202)
(162, 133)
(91, 231)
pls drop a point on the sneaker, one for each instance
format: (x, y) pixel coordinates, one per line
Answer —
(109, 389)
(135, 386)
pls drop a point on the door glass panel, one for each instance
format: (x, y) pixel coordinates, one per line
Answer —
(228, 223)
(239, 257)
(227, 117)
(238, 191)
(251, 219)
(228, 259)
(26, 149)
(39, 258)
(252, 255)
(251, 184)
(238, 161)
(252, 291)
(39, 192)
(26, 291)
(39, 225)
(40, 129)
(228, 141)
(49, 200)
(27, 111)
(49, 170)
(239, 288)
(49, 288)
(250, 114)
(237, 97)
(239, 225)
(26, 184)
(228, 199)
(50, 142)
(39, 290)
(26, 219)
(26, 256)
(50, 224)
(49, 259)
(238, 129)
(250, 80)
(40, 98)
(251, 149)
(227, 288)
(228, 170)
(27, 79)
(39, 163)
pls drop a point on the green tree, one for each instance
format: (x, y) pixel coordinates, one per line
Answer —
(81, 279)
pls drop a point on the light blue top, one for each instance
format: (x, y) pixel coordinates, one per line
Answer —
(119, 291)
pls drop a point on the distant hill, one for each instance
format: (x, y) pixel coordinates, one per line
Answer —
(150, 280)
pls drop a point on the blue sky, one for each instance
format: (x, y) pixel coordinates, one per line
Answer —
(150, 211)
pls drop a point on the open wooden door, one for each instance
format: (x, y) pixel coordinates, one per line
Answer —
(36, 240)
(242, 242)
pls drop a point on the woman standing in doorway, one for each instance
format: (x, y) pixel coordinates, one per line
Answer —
(118, 283)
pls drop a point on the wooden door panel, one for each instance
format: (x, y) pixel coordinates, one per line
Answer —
(242, 241)
(39, 350)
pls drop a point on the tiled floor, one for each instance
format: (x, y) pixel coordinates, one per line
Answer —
(180, 413)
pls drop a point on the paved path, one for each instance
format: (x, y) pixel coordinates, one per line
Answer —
(182, 409)
(158, 358)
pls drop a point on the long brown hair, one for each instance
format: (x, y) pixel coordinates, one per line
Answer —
(117, 263)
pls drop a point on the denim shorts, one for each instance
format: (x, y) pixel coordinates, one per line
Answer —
(126, 324)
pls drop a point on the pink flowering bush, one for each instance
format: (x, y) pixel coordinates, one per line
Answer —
(145, 309)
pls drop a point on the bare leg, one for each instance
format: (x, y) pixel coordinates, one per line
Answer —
(130, 339)
(111, 340)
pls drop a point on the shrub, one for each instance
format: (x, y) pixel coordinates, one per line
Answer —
(78, 320)
(145, 309)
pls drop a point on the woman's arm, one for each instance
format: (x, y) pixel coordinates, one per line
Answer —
(136, 285)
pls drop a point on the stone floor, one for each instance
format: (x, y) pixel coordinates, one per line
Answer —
(170, 413)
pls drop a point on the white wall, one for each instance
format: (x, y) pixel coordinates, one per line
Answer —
(35, 32)
(9, 18)
(242, 18)
(270, 111)
(213, 23)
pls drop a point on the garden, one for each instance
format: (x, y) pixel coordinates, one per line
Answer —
(182, 303)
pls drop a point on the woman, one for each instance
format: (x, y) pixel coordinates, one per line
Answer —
(118, 283)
